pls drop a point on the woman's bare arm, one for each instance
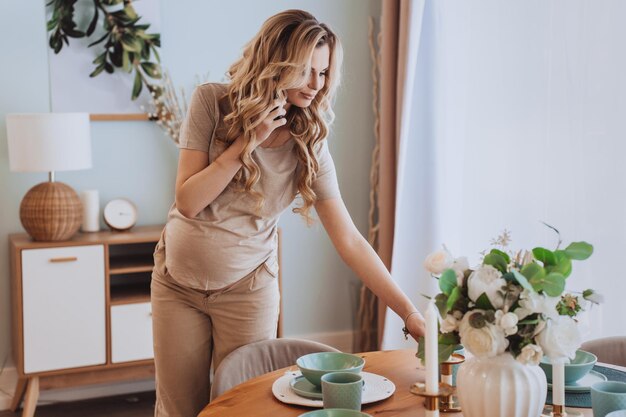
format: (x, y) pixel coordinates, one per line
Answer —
(198, 183)
(363, 260)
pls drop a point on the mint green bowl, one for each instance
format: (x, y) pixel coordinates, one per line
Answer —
(335, 412)
(575, 370)
(314, 365)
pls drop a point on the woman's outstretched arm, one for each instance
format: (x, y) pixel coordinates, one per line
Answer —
(363, 260)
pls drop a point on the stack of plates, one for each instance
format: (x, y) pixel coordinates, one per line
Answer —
(584, 384)
(293, 388)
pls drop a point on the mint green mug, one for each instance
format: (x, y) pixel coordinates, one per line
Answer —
(608, 396)
(342, 390)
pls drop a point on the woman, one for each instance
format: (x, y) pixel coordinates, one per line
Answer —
(248, 149)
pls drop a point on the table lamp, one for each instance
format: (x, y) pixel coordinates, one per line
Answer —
(49, 142)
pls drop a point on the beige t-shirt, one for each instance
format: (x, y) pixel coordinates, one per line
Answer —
(230, 238)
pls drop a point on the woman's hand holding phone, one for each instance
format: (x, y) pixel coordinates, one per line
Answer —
(273, 118)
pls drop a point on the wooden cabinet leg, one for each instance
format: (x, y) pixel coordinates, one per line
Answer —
(32, 395)
(19, 393)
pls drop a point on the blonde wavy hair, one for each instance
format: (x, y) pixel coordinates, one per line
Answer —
(276, 59)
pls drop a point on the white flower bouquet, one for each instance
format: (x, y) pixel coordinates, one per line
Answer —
(512, 302)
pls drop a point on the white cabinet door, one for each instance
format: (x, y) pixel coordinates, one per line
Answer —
(63, 293)
(131, 332)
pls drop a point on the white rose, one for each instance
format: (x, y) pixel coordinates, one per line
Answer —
(486, 342)
(530, 354)
(560, 338)
(438, 261)
(486, 279)
(450, 324)
(507, 321)
(459, 266)
(532, 302)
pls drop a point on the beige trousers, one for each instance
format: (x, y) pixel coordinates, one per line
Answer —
(193, 329)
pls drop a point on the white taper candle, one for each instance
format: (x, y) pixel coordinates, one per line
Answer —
(431, 340)
(431, 413)
(558, 382)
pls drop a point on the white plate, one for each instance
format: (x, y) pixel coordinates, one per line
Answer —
(301, 386)
(376, 388)
(584, 384)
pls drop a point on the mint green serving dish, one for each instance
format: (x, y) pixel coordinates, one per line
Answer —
(314, 365)
(575, 370)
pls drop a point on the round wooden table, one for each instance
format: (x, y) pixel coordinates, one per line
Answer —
(255, 398)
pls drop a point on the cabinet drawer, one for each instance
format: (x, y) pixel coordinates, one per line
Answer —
(63, 293)
(131, 332)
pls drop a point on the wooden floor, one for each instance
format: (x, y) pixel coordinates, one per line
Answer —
(132, 405)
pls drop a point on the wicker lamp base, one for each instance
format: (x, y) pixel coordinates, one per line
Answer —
(51, 211)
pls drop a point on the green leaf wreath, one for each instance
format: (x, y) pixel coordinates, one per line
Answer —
(127, 44)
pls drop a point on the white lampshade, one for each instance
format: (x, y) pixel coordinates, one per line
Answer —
(47, 142)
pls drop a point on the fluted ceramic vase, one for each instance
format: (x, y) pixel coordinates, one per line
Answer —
(501, 386)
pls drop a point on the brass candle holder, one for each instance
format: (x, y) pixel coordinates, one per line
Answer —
(450, 403)
(431, 401)
(559, 411)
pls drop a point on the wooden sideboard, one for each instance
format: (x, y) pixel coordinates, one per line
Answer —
(81, 310)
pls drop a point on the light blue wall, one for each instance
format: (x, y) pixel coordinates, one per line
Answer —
(134, 159)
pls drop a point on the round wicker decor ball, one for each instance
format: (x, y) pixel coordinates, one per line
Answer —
(51, 211)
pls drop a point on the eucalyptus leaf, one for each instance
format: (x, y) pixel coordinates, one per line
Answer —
(444, 350)
(453, 298)
(483, 302)
(497, 261)
(563, 264)
(441, 302)
(522, 281)
(579, 250)
(505, 255)
(529, 321)
(509, 277)
(545, 256)
(554, 284)
(447, 280)
(533, 271)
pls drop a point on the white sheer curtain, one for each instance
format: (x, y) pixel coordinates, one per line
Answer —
(520, 118)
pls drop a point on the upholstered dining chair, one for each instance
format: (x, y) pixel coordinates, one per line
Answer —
(258, 358)
(608, 350)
